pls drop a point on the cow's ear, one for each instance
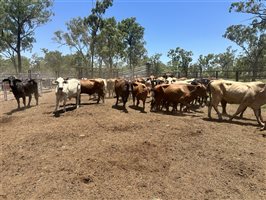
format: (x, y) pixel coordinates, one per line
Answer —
(54, 82)
(5, 80)
(65, 81)
(135, 84)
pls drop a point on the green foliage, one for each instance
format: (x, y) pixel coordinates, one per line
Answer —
(20, 19)
(256, 8)
(95, 22)
(109, 43)
(133, 41)
(252, 41)
(180, 59)
(53, 60)
(76, 38)
(156, 64)
(206, 62)
(225, 61)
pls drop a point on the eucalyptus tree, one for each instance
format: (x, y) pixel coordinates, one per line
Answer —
(95, 22)
(19, 21)
(205, 63)
(156, 64)
(180, 59)
(76, 38)
(257, 8)
(251, 38)
(252, 41)
(109, 45)
(133, 41)
(226, 61)
(53, 60)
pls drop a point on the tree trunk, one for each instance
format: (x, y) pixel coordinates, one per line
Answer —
(19, 49)
(14, 64)
(255, 70)
(110, 75)
(19, 62)
(92, 62)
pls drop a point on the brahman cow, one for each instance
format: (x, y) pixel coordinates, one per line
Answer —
(139, 92)
(110, 87)
(251, 95)
(122, 89)
(21, 89)
(93, 86)
(67, 89)
(224, 103)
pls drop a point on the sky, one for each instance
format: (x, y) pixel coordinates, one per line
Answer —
(194, 25)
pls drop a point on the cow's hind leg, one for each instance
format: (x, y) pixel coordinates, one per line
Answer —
(241, 114)
(36, 96)
(24, 101)
(117, 98)
(223, 103)
(137, 102)
(257, 113)
(30, 97)
(143, 105)
(240, 109)
(133, 99)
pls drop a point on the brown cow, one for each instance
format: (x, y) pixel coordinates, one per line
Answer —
(183, 94)
(93, 86)
(174, 94)
(157, 97)
(139, 91)
(245, 94)
(122, 89)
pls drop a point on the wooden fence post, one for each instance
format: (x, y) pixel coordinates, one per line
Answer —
(237, 75)
(29, 74)
(5, 90)
(216, 74)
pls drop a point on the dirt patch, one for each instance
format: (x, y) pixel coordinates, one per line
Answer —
(100, 151)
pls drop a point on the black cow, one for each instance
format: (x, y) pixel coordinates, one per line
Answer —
(21, 89)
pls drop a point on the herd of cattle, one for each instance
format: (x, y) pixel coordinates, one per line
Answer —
(165, 92)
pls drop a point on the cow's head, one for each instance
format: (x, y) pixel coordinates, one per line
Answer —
(12, 80)
(60, 83)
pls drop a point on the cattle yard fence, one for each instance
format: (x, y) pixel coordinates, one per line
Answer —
(45, 80)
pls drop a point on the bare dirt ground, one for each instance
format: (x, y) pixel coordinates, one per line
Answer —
(101, 152)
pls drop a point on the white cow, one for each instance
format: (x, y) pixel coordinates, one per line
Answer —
(251, 95)
(67, 89)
